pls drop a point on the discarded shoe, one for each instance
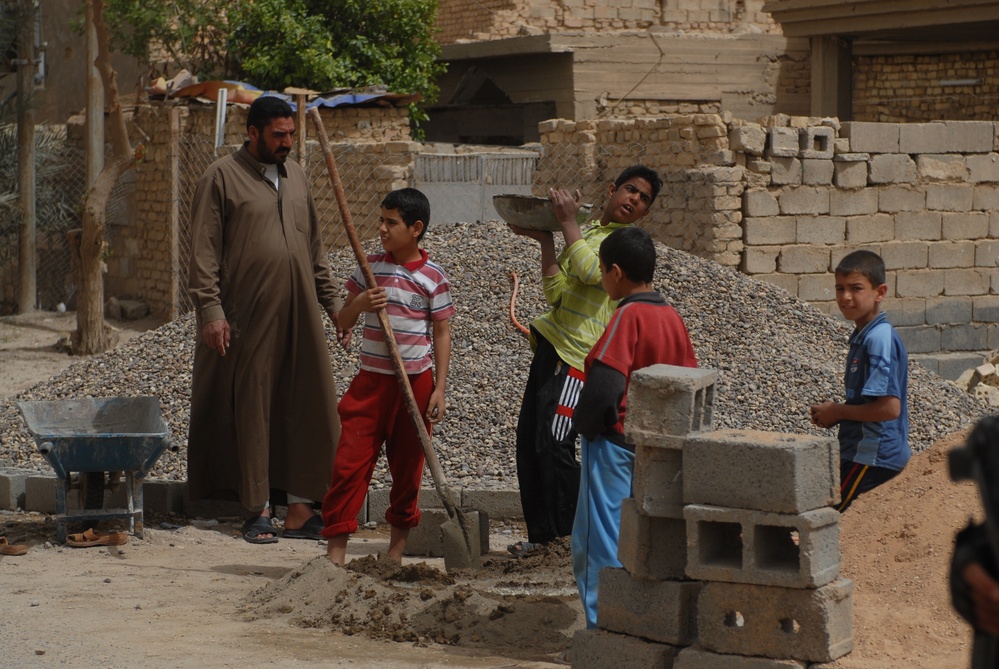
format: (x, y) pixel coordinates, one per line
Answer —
(11, 549)
(254, 527)
(313, 529)
(94, 538)
(522, 548)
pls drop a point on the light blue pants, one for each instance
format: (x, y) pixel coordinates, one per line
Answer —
(605, 482)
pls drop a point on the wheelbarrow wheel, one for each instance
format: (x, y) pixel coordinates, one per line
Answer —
(92, 490)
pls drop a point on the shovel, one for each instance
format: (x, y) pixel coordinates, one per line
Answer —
(458, 532)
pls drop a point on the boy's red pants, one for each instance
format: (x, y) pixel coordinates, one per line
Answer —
(373, 411)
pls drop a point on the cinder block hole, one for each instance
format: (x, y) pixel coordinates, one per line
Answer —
(774, 549)
(789, 626)
(734, 619)
(704, 400)
(720, 544)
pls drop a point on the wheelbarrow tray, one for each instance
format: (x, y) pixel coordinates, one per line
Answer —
(532, 212)
(98, 434)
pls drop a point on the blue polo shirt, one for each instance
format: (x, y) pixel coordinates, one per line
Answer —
(877, 366)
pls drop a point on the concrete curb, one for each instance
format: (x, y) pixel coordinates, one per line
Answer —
(30, 491)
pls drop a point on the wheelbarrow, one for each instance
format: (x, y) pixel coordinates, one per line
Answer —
(97, 435)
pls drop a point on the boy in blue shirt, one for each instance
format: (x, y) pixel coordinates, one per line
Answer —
(874, 420)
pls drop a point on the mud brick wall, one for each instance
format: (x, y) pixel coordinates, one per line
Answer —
(908, 87)
(923, 195)
(699, 207)
(464, 20)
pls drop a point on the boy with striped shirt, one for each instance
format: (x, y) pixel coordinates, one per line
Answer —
(416, 294)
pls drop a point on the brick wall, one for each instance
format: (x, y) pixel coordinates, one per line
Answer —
(908, 87)
(475, 20)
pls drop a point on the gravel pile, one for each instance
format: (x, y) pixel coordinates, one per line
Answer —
(776, 354)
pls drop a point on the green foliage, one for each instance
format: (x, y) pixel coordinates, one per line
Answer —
(273, 44)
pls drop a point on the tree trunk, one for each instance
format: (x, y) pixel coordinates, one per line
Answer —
(92, 334)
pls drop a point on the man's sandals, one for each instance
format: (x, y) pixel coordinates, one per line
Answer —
(11, 549)
(94, 538)
(254, 528)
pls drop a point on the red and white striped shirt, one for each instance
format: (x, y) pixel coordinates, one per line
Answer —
(418, 293)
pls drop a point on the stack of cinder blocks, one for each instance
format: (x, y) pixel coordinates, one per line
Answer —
(729, 545)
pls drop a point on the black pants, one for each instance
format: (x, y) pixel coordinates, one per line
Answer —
(547, 468)
(856, 479)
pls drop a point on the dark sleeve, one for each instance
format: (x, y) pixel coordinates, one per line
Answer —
(970, 545)
(598, 408)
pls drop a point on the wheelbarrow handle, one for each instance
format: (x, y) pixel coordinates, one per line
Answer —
(45, 448)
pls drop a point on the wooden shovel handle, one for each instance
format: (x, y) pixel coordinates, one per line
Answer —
(383, 318)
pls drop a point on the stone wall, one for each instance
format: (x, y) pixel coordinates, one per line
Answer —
(893, 88)
(475, 20)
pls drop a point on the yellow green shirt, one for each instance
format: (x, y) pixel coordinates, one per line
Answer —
(580, 307)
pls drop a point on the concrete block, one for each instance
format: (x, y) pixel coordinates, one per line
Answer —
(804, 200)
(745, 546)
(871, 137)
(983, 168)
(994, 224)
(920, 225)
(695, 657)
(769, 231)
(820, 230)
(817, 172)
(763, 471)
(908, 311)
(816, 142)
(598, 649)
(817, 287)
(133, 310)
(808, 625)
(951, 254)
(12, 482)
(784, 142)
(162, 496)
(657, 483)
(948, 310)
(751, 139)
(892, 168)
(669, 400)
(964, 225)
(663, 611)
(841, 145)
(942, 167)
(788, 282)
(803, 259)
(894, 199)
(964, 337)
(850, 174)
(986, 198)
(905, 255)
(966, 282)
(759, 203)
(497, 504)
(870, 228)
(760, 259)
(949, 197)
(984, 309)
(918, 283)
(925, 339)
(378, 502)
(652, 548)
(853, 202)
(785, 171)
(970, 136)
(39, 493)
(951, 365)
(923, 138)
(425, 539)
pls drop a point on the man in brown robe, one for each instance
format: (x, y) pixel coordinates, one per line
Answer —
(263, 401)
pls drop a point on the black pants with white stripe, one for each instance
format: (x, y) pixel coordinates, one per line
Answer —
(547, 468)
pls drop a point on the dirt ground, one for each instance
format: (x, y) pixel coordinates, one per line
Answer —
(198, 596)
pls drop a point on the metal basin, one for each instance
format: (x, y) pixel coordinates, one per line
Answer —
(98, 434)
(534, 213)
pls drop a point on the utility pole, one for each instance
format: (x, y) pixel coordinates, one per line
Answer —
(28, 293)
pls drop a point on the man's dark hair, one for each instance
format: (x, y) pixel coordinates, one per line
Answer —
(412, 205)
(642, 172)
(633, 251)
(266, 108)
(866, 263)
